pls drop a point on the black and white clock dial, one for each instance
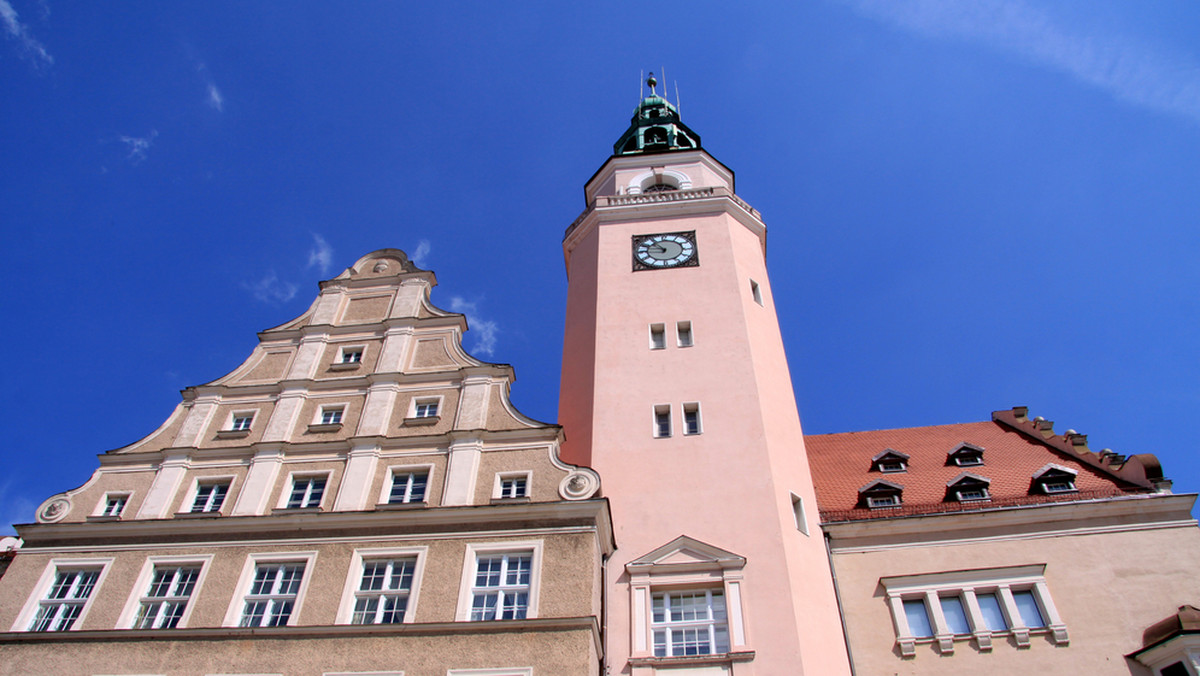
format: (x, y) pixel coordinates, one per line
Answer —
(664, 251)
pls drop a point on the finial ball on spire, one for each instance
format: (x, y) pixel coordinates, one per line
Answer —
(651, 82)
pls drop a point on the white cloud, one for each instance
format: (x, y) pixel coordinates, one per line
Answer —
(418, 257)
(1120, 65)
(137, 146)
(20, 32)
(270, 290)
(483, 330)
(321, 255)
(214, 98)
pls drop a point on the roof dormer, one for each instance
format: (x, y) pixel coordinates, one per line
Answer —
(1054, 479)
(890, 461)
(965, 455)
(968, 487)
(879, 494)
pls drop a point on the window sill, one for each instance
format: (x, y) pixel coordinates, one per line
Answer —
(232, 434)
(510, 501)
(324, 427)
(100, 519)
(197, 515)
(400, 506)
(693, 660)
(348, 366)
(425, 420)
(296, 510)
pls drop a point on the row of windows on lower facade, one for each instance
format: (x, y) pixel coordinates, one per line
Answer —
(501, 585)
(307, 491)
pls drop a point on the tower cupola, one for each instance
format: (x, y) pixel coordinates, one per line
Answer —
(655, 127)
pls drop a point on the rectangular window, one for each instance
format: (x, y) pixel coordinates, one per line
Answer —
(513, 487)
(756, 292)
(1058, 486)
(662, 421)
(307, 492)
(272, 595)
(691, 418)
(1028, 608)
(955, 614)
(427, 408)
(114, 504)
(918, 618)
(382, 595)
(164, 603)
(210, 496)
(332, 415)
(689, 623)
(658, 337)
(501, 587)
(989, 608)
(684, 334)
(883, 501)
(799, 513)
(351, 355)
(408, 487)
(241, 422)
(969, 494)
(65, 600)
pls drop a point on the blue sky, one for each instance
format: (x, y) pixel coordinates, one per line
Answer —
(972, 204)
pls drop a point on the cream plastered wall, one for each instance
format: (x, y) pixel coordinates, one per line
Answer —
(353, 403)
(544, 476)
(329, 366)
(236, 472)
(436, 462)
(221, 421)
(565, 582)
(294, 468)
(1107, 587)
(135, 482)
(447, 410)
(549, 653)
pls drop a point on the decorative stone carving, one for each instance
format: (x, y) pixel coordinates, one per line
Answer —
(580, 484)
(53, 509)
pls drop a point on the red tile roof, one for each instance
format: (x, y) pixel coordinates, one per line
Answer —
(841, 465)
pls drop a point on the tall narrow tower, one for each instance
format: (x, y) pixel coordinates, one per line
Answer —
(675, 387)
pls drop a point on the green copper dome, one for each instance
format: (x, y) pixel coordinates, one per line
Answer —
(655, 128)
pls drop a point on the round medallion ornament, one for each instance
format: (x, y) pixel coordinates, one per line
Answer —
(580, 484)
(53, 510)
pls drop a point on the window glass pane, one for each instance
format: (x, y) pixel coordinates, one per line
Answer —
(1176, 669)
(918, 619)
(956, 615)
(993, 617)
(1028, 608)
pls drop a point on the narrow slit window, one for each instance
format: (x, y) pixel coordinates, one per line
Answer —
(683, 332)
(658, 337)
(691, 419)
(798, 511)
(756, 292)
(662, 421)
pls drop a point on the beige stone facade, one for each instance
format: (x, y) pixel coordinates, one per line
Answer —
(359, 496)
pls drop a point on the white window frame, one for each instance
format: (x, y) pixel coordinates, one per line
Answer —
(884, 501)
(385, 492)
(102, 508)
(233, 615)
(285, 494)
(189, 498)
(511, 671)
(800, 513)
(692, 407)
(476, 550)
(141, 586)
(498, 492)
(346, 350)
(345, 613)
(968, 585)
(711, 623)
(1042, 482)
(658, 337)
(414, 407)
(656, 429)
(232, 424)
(330, 408)
(41, 589)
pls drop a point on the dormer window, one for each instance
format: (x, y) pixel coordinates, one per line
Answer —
(1054, 480)
(890, 461)
(967, 487)
(879, 494)
(966, 455)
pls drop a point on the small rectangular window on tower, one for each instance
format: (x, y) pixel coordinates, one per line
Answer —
(756, 292)
(691, 418)
(684, 334)
(658, 337)
(801, 515)
(662, 421)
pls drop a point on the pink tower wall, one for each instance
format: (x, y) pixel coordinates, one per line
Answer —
(730, 486)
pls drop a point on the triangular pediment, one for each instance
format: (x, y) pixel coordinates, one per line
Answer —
(684, 551)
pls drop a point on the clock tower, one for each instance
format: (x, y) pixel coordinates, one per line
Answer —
(675, 387)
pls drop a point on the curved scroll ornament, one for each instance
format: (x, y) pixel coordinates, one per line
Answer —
(580, 484)
(53, 509)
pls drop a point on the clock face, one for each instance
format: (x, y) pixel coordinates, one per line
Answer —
(667, 250)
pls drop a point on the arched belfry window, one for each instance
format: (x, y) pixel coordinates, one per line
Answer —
(659, 180)
(654, 136)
